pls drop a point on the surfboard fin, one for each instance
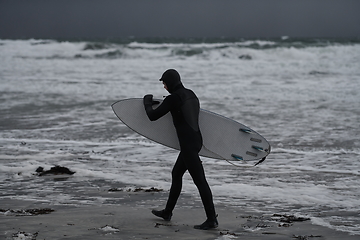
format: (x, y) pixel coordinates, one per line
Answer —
(258, 148)
(245, 130)
(237, 157)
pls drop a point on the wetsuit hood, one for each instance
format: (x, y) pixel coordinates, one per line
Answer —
(172, 80)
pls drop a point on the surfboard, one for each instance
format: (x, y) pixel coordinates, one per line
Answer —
(223, 138)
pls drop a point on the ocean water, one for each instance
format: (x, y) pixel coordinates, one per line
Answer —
(302, 95)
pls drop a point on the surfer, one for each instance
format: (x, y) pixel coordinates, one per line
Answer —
(184, 107)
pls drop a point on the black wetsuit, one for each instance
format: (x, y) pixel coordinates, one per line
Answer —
(184, 107)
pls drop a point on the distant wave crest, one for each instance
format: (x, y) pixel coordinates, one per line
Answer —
(240, 49)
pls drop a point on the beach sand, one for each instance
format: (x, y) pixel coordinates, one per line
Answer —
(129, 216)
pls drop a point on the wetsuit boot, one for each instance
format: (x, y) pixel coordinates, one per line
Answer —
(208, 224)
(162, 214)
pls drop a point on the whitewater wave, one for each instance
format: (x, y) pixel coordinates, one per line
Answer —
(242, 50)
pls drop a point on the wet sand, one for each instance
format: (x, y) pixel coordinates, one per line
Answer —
(130, 218)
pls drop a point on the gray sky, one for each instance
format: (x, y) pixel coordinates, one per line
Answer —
(179, 18)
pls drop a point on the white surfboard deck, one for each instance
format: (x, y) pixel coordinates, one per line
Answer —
(223, 138)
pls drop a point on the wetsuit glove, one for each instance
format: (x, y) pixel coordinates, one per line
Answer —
(148, 100)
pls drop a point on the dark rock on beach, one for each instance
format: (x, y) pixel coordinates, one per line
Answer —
(57, 170)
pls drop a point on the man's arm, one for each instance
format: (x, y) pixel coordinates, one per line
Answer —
(165, 107)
